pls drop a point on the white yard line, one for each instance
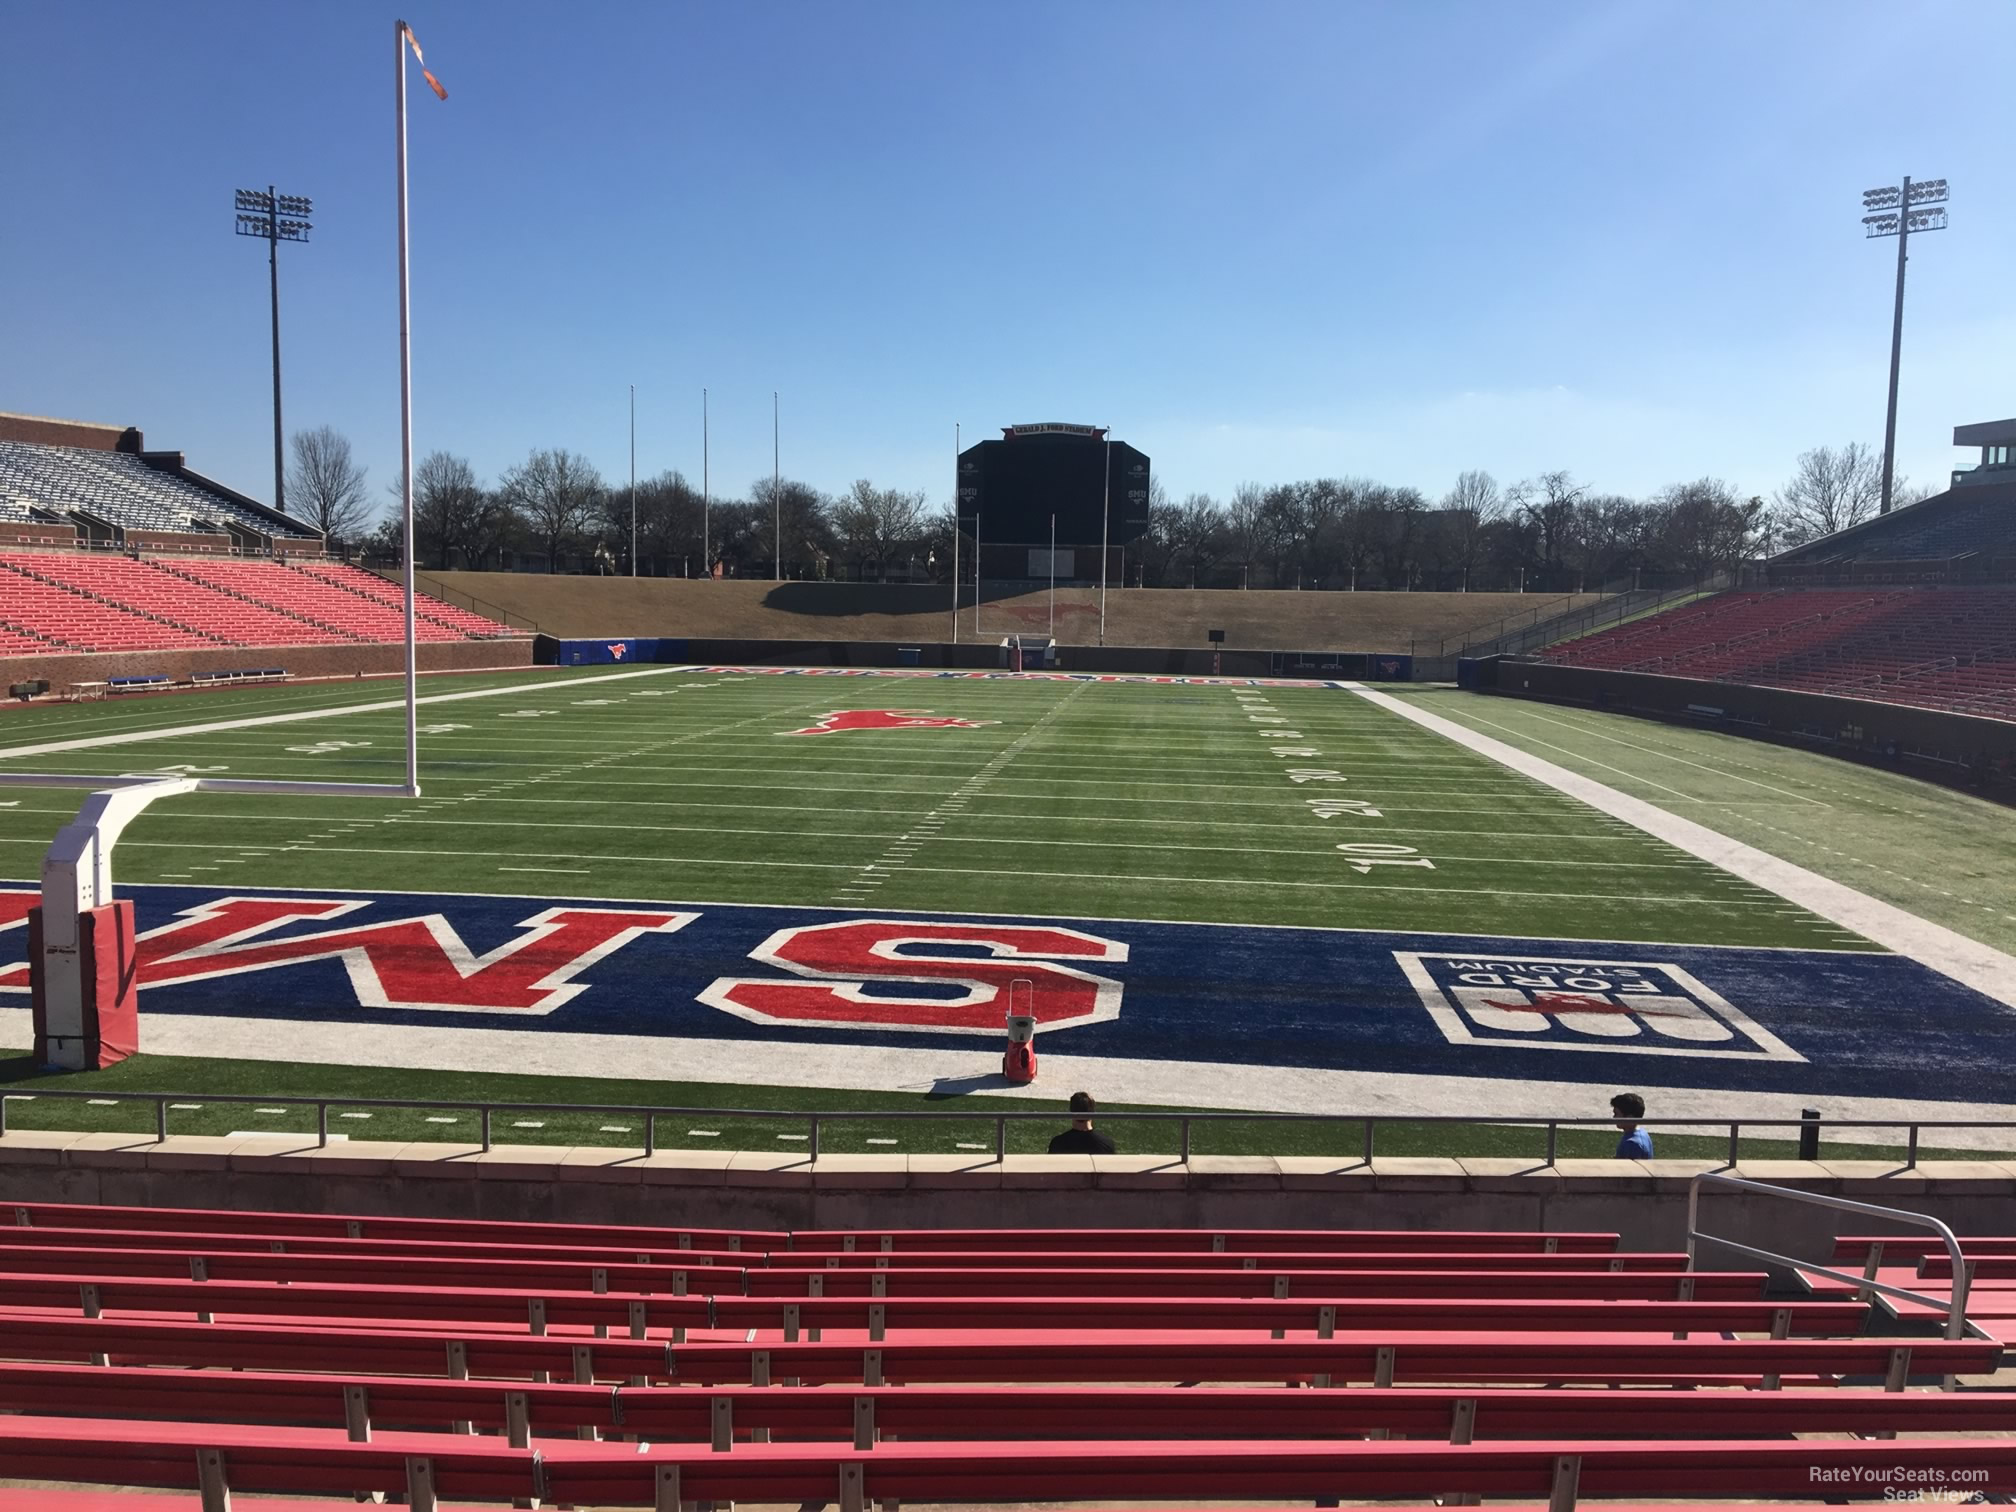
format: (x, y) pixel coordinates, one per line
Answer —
(898, 852)
(1595, 734)
(96, 742)
(1982, 967)
(1172, 1083)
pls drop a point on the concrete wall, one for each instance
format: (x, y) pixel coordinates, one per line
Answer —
(1891, 734)
(63, 669)
(1645, 1203)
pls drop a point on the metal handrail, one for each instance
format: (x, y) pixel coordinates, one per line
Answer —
(1368, 1124)
(1957, 1326)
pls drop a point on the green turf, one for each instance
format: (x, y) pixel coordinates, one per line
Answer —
(1085, 799)
(1090, 800)
(973, 1126)
(1935, 851)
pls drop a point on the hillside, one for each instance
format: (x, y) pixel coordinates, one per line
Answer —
(1259, 620)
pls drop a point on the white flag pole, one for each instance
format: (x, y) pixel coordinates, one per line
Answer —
(406, 430)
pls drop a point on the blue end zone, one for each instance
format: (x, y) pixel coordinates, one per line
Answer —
(1804, 1022)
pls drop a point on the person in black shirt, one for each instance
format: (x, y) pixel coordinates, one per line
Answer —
(1081, 1138)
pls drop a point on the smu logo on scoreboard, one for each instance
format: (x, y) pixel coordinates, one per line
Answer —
(1558, 1003)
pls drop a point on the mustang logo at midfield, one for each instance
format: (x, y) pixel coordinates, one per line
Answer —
(888, 719)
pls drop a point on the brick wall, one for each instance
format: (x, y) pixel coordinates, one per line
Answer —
(177, 540)
(34, 533)
(61, 670)
(42, 431)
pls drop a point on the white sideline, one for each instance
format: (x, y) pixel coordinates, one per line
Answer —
(871, 1068)
(1987, 970)
(131, 737)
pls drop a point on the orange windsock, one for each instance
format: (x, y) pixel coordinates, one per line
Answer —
(425, 73)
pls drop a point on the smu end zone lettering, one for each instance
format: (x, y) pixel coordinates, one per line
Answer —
(843, 958)
(419, 963)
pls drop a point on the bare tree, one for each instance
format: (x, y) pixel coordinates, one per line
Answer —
(669, 525)
(325, 486)
(1829, 491)
(1467, 509)
(1706, 526)
(453, 515)
(1549, 502)
(874, 523)
(555, 492)
(1246, 529)
(790, 531)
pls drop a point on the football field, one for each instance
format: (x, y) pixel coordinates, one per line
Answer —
(1222, 804)
(1221, 893)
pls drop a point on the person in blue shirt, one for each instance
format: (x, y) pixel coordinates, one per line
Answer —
(1628, 1108)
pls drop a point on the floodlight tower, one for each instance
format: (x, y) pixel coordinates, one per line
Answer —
(276, 217)
(1898, 212)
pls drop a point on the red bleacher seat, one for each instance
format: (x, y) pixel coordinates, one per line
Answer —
(95, 601)
(1937, 647)
(49, 608)
(370, 585)
(324, 1354)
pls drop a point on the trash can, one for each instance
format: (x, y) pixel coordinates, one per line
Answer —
(909, 656)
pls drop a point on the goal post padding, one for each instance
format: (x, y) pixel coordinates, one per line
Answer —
(87, 1013)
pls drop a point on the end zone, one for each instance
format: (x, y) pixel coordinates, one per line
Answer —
(1269, 1019)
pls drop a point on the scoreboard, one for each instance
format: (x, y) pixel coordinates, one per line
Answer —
(1074, 472)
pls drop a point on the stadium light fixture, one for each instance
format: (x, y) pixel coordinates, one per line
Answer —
(1898, 212)
(260, 214)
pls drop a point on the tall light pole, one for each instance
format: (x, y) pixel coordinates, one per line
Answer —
(1898, 212)
(633, 480)
(955, 532)
(706, 560)
(776, 499)
(275, 217)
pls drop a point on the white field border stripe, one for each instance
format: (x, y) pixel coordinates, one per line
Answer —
(1987, 970)
(1173, 1083)
(93, 742)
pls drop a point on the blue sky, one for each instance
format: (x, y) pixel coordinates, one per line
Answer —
(1261, 241)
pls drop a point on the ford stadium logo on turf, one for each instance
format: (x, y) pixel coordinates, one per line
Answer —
(1559, 1003)
(888, 719)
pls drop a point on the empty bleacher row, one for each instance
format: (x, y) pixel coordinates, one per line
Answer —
(1938, 647)
(79, 601)
(1974, 524)
(118, 488)
(324, 1356)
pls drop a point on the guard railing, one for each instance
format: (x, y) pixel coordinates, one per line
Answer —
(816, 1122)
